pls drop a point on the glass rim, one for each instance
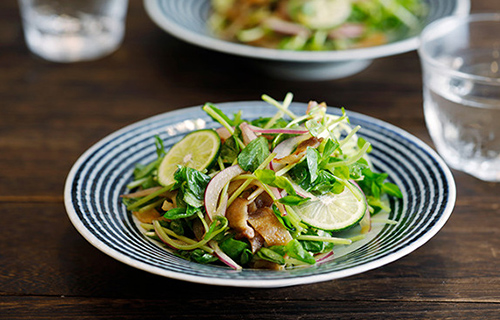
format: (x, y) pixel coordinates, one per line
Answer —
(429, 33)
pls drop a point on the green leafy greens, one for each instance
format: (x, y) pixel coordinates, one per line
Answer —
(270, 230)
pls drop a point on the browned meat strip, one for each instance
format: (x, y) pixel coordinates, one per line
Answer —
(265, 222)
(256, 242)
(300, 152)
(237, 215)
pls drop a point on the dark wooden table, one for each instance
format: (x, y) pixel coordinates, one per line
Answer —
(51, 113)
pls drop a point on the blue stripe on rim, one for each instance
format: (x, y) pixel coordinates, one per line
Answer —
(101, 174)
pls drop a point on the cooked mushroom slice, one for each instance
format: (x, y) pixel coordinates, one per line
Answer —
(265, 222)
(263, 200)
(260, 201)
(256, 242)
(237, 215)
(148, 216)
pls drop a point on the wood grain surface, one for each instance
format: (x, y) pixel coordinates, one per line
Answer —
(51, 113)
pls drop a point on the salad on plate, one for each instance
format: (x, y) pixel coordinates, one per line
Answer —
(316, 24)
(270, 193)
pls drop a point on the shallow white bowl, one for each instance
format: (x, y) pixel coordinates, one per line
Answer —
(186, 20)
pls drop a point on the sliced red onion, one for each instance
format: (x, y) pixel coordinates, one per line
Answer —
(285, 27)
(279, 130)
(324, 257)
(279, 195)
(348, 31)
(221, 210)
(214, 189)
(247, 133)
(301, 192)
(223, 133)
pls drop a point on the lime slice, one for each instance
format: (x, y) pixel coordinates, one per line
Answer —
(334, 212)
(198, 150)
(321, 14)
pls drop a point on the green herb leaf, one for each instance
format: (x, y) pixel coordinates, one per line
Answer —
(197, 255)
(312, 157)
(237, 120)
(316, 246)
(269, 177)
(229, 150)
(217, 226)
(270, 255)
(295, 250)
(177, 226)
(375, 190)
(342, 172)
(262, 121)
(392, 190)
(246, 256)
(219, 113)
(293, 200)
(356, 169)
(177, 213)
(192, 184)
(284, 183)
(338, 187)
(281, 250)
(254, 154)
(160, 149)
(361, 142)
(324, 183)
(285, 220)
(374, 186)
(330, 147)
(236, 249)
(265, 176)
(142, 171)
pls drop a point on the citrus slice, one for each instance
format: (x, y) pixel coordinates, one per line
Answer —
(198, 150)
(321, 14)
(334, 212)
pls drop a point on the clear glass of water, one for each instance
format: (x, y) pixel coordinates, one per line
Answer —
(460, 59)
(73, 30)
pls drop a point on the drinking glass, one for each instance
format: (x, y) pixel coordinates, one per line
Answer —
(460, 57)
(73, 30)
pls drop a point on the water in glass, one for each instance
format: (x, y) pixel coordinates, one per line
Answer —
(463, 117)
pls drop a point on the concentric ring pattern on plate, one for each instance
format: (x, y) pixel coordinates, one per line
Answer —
(186, 20)
(94, 185)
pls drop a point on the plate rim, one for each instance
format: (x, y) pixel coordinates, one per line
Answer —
(258, 283)
(153, 9)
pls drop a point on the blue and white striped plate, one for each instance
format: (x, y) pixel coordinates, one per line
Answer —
(96, 181)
